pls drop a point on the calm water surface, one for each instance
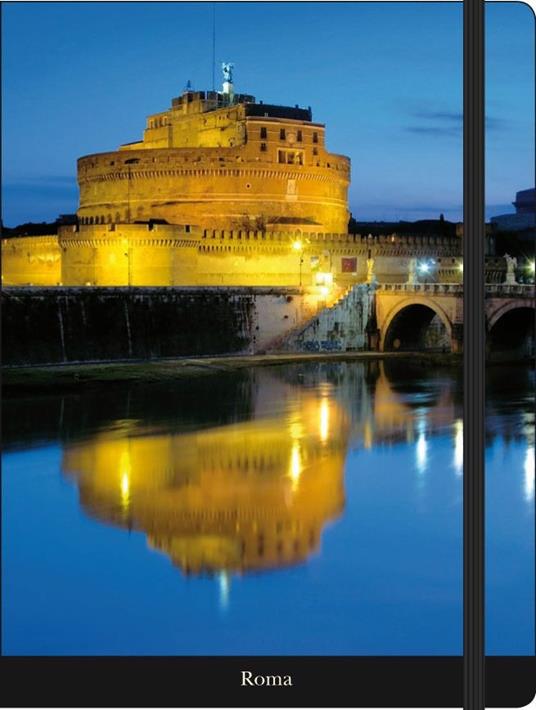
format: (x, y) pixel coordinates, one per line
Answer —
(299, 509)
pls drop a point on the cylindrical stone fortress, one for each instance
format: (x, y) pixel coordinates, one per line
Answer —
(220, 165)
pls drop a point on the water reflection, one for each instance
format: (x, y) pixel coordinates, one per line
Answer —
(246, 496)
(256, 494)
(458, 446)
(329, 495)
(529, 474)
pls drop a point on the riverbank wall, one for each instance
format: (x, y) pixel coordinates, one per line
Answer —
(66, 325)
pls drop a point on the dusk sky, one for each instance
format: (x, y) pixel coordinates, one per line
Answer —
(386, 78)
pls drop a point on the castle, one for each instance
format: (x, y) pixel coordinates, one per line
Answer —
(221, 191)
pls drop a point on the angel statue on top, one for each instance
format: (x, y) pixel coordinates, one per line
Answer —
(227, 70)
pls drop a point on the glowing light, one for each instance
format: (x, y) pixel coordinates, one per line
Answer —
(324, 278)
(297, 245)
(224, 584)
(324, 420)
(421, 447)
(324, 290)
(529, 474)
(124, 472)
(295, 467)
(424, 267)
(458, 446)
(532, 266)
(460, 267)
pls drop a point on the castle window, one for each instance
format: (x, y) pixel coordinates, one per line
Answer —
(263, 132)
(315, 137)
(281, 156)
(282, 134)
(263, 147)
(315, 151)
(300, 136)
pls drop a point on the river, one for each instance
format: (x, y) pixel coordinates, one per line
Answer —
(311, 508)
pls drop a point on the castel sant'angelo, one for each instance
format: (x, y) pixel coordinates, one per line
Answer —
(220, 160)
(223, 190)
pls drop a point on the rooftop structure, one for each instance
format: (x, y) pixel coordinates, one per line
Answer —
(221, 160)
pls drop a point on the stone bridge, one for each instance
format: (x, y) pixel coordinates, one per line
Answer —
(430, 317)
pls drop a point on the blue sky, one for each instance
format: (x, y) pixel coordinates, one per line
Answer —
(386, 78)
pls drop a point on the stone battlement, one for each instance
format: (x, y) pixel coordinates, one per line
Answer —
(149, 254)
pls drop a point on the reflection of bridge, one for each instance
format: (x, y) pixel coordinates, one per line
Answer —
(429, 316)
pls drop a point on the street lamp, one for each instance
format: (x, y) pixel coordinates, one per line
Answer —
(297, 245)
(425, 267)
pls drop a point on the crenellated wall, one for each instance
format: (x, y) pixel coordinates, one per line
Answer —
(184, 255)
(225, 188)
(31, 260)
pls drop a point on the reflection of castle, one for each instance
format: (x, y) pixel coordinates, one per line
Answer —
(254, 495)
(241, 497)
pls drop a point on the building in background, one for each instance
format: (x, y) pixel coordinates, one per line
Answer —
(524, 216)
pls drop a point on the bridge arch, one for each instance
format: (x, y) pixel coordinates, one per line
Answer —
(511, 329)
(409, 322)
(509, 305)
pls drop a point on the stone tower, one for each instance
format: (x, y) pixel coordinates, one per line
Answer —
(221, 160)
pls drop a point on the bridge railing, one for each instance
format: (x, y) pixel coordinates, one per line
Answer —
(506, 290)
(499, 290)
(428, 288)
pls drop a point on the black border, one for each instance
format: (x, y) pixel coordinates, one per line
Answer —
(215, 681)
(322, 681)
(336, 681)
(474, 354)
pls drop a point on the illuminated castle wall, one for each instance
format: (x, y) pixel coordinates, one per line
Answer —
(221, 165)
(243, 194)
(175, 255)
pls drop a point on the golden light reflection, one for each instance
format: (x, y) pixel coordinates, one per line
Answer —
(324, 419)
(125, 469)
(252, 495)
(247, 495)
(529, 474)
(296, 429)
(458, 446)
(295, 467)
(367, 435)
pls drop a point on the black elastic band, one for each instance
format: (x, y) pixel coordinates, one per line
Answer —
(474, 353)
